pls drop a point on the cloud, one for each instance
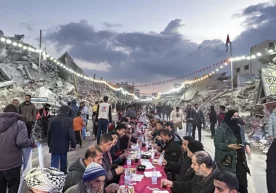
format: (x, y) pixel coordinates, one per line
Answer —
(149, 57)
(112, 25)
(26, 26)
(259, 21)
(173, 27)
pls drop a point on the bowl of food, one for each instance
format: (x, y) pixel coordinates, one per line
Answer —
(128, 189)
(141, 168)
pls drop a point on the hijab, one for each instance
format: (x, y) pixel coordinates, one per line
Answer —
(232, 124)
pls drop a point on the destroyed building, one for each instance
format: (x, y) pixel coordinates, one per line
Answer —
(20, 75)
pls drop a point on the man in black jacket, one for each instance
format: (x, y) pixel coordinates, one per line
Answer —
(173, 150)
(60, 134)
(203, 181)
(177, 169)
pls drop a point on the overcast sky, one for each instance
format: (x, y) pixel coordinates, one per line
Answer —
(141, 41)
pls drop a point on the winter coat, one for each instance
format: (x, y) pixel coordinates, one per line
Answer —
(75, 174)
(61, 132)
(271, 126)
(13, 136)
(226, 158)
(179, 168)
(78, 188)
(198, 117)
(75, 109)
(28, 112)
(189, 115)
(173, 150)
(213, 117)
(198, 184)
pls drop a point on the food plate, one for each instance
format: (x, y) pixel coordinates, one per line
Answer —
(122, 189)
(160, 191)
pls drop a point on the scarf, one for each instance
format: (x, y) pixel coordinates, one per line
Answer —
(45, 179)
(233, 125)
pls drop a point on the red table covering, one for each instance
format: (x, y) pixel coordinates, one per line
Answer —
(141, 186)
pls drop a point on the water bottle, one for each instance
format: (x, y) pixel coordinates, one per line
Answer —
(128, 161)
(154, 177)
(152, 154)
(138, 156)
(127, 177)
(160, 161)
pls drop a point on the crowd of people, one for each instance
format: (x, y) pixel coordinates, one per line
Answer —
(189, 167)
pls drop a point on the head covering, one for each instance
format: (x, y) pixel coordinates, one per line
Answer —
(64, 109)
(93, 171)
(46, 179)
(195, 146)
(228, 118)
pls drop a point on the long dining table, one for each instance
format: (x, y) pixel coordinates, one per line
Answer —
(145, 185)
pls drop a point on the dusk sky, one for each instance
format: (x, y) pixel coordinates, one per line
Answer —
(141, 41)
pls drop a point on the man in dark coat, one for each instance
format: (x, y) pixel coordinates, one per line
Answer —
(179, 168)
(198, 121)
(203, 181)
(173, 150)
(60, 134)
(13, 137)
(74, 109)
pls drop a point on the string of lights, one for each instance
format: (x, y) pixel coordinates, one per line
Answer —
(187, 82)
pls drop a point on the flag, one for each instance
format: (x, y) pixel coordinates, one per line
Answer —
(227, 42)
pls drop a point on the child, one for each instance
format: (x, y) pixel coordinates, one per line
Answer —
(78, 124)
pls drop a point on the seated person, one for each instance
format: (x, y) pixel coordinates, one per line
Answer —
(76, 170)
(93, 180)
(203, 181)
(113, 170)
(173, 149)
(183, 164)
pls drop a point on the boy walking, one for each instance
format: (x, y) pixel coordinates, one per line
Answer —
(78, 124)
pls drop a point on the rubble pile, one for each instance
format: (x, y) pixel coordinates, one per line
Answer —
(20, 75)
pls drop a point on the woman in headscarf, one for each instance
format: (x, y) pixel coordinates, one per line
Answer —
(230, 148)
(45, 180)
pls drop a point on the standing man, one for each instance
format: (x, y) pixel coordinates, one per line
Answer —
(189, 120)
(198, 121)
(60, 134)
(95, 127)
(28, 112)
(177, 118)
(15, 102)
(271, 155)
(103, 117)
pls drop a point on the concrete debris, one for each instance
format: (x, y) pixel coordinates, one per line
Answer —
(20, 75)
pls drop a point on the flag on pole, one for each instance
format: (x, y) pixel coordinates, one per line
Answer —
(227, 42)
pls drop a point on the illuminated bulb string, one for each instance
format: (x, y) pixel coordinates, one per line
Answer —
(45, 55)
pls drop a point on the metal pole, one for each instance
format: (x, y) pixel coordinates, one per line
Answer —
(39, 58)
(232, 75)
